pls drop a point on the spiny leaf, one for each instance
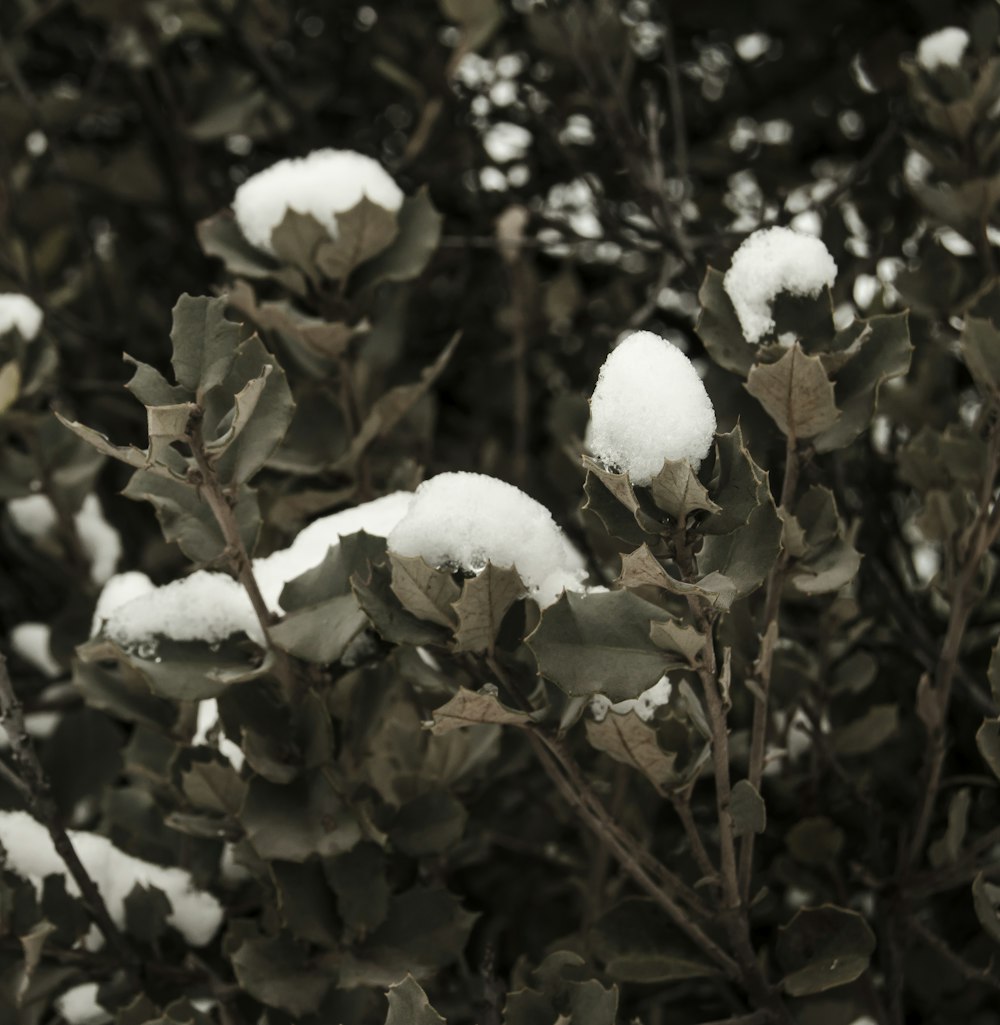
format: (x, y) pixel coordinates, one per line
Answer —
(408, 1005)
(471, 708)
(678, 492)
(629, 740)
(362, 232)
(426, 592)
(484, 602)
(796, 393)
(204, 342)
(599, 643)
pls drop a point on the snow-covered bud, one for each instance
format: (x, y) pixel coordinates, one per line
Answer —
(322, 184)
(649, 405)
(769, 262)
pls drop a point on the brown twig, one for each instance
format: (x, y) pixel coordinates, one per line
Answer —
(36, 790)
(225, 516)
(765, 661)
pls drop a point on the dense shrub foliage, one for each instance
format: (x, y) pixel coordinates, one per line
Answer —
(558, 586)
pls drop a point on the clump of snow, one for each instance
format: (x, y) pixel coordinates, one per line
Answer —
(769, 262)
(212, 606)
(204, 606)
(946, 47)
(644, 706)
(36, 517)
(464, 520)
(31, 854)
(20, 313)
(121, 588)
(79, 1006)
(209, 726)
(310, 546)
(322, 184)
(31, 642)
(506, 141)
(649, 405)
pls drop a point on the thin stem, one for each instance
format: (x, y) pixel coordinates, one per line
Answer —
(225, 516)
(944, 950)
(682, 805)
(36, 789)
(982, 536)
(624, 853)
(765, 662)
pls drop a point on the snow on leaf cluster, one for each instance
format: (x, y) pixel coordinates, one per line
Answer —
(31, 854)
(770, 262)
(649, 405)
(19, 312)
(323, 183)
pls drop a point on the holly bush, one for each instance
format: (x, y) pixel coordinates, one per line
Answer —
(705, 729)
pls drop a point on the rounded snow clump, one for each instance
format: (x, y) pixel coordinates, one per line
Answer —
(323, 184)
(649, 405)
(769, 262)
(945, 47)
(21, 313)
(465, 520)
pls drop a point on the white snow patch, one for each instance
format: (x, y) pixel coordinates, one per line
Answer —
(31, 854)
(31, 641)
(769, 262)
(19, 312)
(79, 1006)
(464, 520)
(506, 142)
(649, 405)
(35, 516)
(209, 723)
(644, 706)
(752, 46)
(322, 184)
(120, 589)
(945, 47)
(212, 606)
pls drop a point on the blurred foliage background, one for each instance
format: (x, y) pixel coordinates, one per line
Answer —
(590, 159)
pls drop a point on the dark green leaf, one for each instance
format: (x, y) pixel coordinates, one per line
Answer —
(599, 643)
(300, 819)
(408, 1005)
(747, 809)
(822, 948)
(719, 327)
(638, 943)
(204, 342)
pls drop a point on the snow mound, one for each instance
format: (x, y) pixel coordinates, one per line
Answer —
(35, 516)
(212, 606)
(79, 1005)
(644, 706)
(31, 854)
(21, 313)
(464, 520)
(945, 47)
(32, 642)
(649, 405)
(204, 606)
(769, 262)
(322, 184)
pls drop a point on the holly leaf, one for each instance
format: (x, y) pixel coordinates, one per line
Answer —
(796, 393)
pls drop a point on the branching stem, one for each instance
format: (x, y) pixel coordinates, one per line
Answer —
(35, 788)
